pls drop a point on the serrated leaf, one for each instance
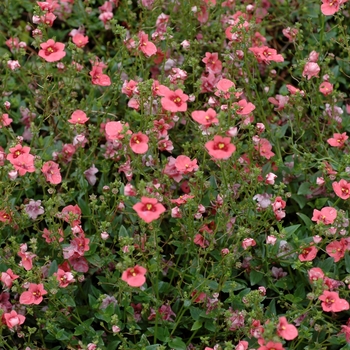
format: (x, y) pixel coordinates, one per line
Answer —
(291, 229)
(304, 189)
(305, 219)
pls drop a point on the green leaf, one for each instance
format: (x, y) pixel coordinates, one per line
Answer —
(304, 189)
(177, 344)
(209, 325)
(281, 131)
(326, 264)
(53, 268)
(196, 325)
(301, 200)
(123, 232)
(113, 345)
(347, 262)
(195, 313)
(255, 277)
(162, 334)
(305, 219)
(291, 229)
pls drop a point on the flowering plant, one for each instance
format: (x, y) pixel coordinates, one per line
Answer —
(174, 175)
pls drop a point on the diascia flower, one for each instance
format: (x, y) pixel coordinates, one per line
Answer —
(34, 294)
(13, 319)
(265, 54)
(327, 215)
(52, 172)
(308, 254)
(174, 101)
(149, 209)
(342, 189)
(139, 143)
(332, 303)
(285, 330)
(338, 140)
(337, 249)
(52, 51)
(134, 276)
(78, 117)
(220, 147)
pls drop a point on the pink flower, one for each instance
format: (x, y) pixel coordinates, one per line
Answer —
(139, 143)
(311, 69)
(97, 76)
(80, 40)
(271, 346)
(308, 254)
(8, 277)
(326, 88)
(244, 107)
(338, 140)
(174, 101)
(290, 33)
(71, 214)
(212, 62)
(64, 278)
(52, 172)
(220, 147)
(327, 215)
(114, 130)
(264, 147)
(5, 120)
(248, 242)
(285, 330)
(265, 54)
(149, 209)
(34, 295)
(52, 51)
(337, 249)
(78, 117)
(332, 303)
(315, 274)
(342, 189)
(199, 240)
(13, 319)
(135, 276)
(242, 345)
(205, 118)
(185, 165)
(147, 47)
(330, 7)
(24, 163)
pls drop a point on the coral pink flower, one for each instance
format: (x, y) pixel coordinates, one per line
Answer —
(205, 118)
(13, 319)
(212, 62)
(8, 277)
(16, 151)
(185, 165)
(244, 107)
(52, 51)
(199, 240)
(342, 189)
(78, 117)
(271, 346)
(338, 140)
(337, 249)
(315, 274)
(223, 86)
(220, 147)
(265, 54)
(80, 40)
(147, 47)
(174, 101)
(24, 164)
(149, 209)
(248, 242)
(290, 33)
(52, 172)
(64, 278)
(114, 130)
(264, 147)
(311, 69)
(332, 303)
(330, 7)
(285, 330)
(34, 295)
(139, 143)
(308, 254)
(97, 76)
(5, 120)
(71, 214)
(327, 215)
(326, 88)
(134, 276)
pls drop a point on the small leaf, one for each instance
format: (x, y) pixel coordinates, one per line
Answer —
(255, 277)
(196, 325)
(177, 344)
(305, 219)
